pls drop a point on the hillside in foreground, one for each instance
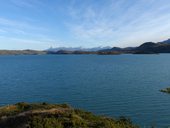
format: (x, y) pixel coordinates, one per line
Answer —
(43, 115)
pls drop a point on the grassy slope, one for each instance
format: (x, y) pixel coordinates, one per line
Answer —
(43, 115)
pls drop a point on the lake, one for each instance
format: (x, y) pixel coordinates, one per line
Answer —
(110, 85)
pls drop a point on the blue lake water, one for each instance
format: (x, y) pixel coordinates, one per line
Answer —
(120, 85)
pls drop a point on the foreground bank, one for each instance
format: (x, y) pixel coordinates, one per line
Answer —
(43, 115)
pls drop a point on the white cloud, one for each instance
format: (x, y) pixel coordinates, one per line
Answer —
(88, 23)
(121, 21)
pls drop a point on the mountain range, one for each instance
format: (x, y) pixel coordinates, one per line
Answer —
(145, 48)
(78, 48)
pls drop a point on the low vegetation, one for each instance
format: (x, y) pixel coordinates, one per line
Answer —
(44, 115)
(166, 90)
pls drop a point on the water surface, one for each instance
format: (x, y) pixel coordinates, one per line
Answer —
(120, 85)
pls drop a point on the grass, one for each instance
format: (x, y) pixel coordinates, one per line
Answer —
(44, 115)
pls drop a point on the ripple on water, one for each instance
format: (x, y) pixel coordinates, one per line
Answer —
(125, 85)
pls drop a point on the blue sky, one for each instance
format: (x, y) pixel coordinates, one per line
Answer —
(40, 24)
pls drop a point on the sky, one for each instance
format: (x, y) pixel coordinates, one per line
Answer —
(40, 24)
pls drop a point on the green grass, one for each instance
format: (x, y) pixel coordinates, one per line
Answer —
(44, 115)
(12, 110)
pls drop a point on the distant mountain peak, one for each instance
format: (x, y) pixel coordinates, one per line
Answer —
(146, 48)
(166, 41)
(78, 48)
(147, 44)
